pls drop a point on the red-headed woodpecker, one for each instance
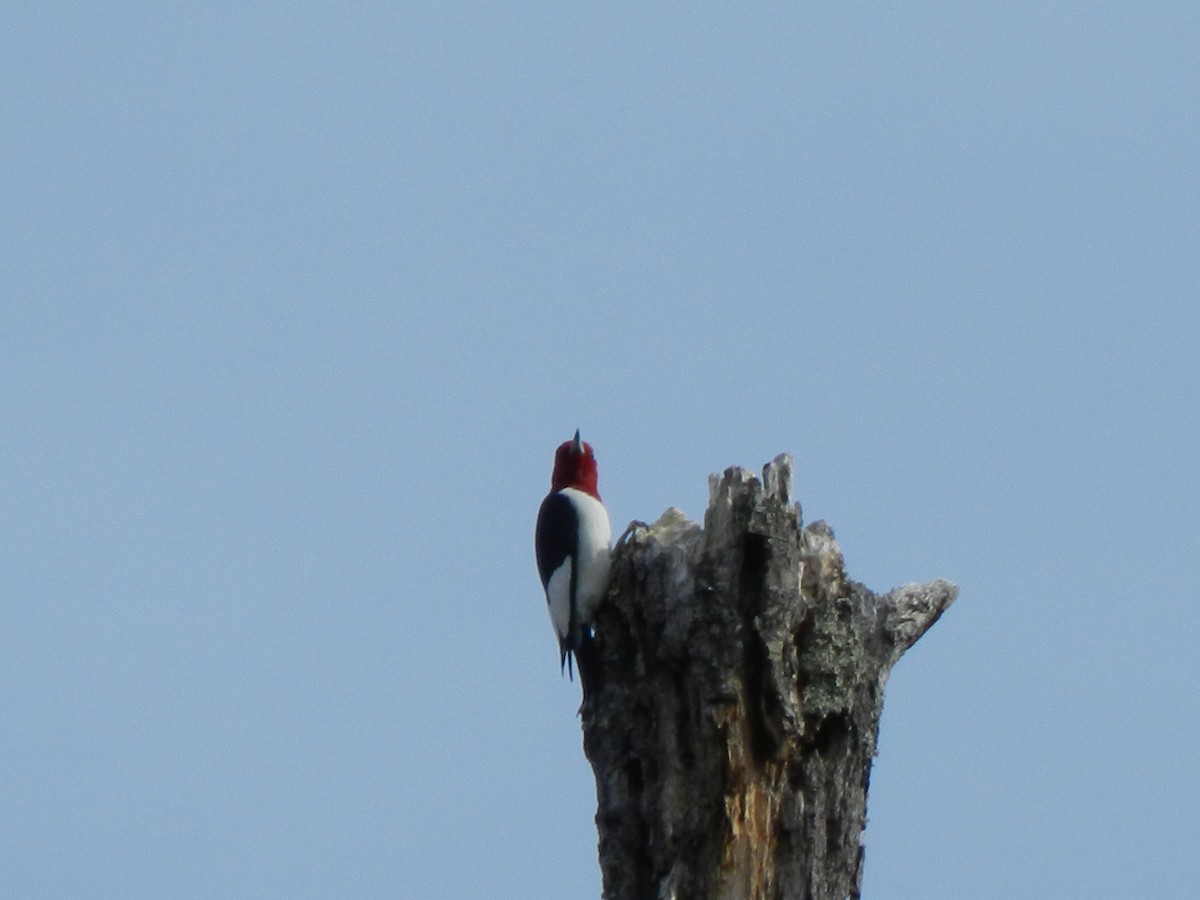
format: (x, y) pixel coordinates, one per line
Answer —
(572, 547)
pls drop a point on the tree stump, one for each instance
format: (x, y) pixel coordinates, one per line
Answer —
(733, 698)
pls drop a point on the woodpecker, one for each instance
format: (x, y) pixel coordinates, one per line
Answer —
(572, 548)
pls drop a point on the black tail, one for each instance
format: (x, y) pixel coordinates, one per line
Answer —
(587, 660)
(564, 658)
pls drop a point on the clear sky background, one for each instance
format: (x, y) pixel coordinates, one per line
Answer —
(298, 299)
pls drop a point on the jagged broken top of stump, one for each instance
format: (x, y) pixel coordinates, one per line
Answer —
(750, 519)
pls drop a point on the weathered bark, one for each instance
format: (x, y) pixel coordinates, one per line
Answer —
(735, 687)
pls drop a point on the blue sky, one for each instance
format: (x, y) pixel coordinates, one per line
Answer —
(298, 300)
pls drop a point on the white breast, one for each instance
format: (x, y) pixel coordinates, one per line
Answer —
(594, 536)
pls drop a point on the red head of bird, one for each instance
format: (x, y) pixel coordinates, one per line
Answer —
(575, 467)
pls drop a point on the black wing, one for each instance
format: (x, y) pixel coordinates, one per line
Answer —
(557, 534)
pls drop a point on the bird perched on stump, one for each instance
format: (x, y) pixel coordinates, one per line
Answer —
(572, 550)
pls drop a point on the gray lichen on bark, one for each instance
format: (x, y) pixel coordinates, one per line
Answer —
(734, 695)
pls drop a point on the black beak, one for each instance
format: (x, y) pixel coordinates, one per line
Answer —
(578, 447)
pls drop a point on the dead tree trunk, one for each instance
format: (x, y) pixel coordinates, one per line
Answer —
(734, 698)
